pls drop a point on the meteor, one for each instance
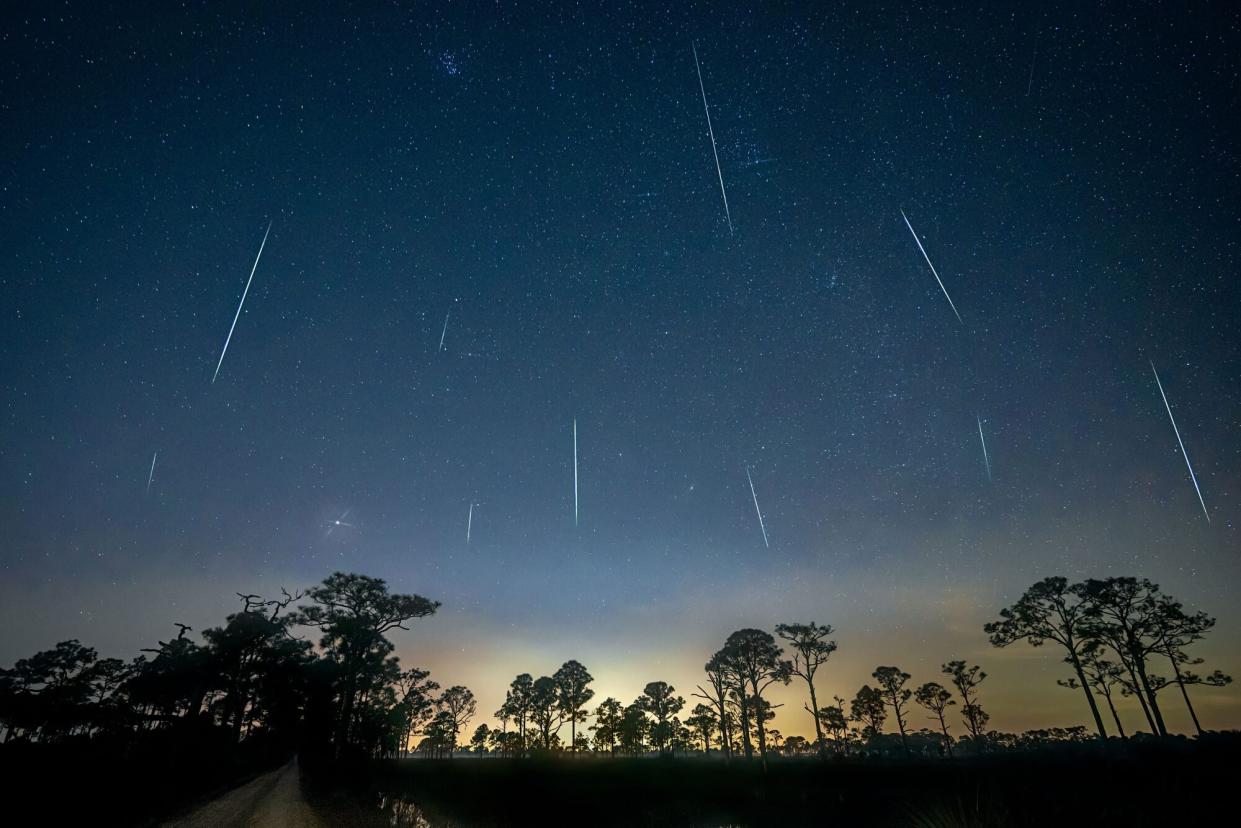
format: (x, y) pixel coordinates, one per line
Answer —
(711, 132)
(575, 471)
(1181, 443)
(757, 510)
(444, 332)
(983, 439)
(932, 267)
(240, 304)
(151, 475)
(469, 522)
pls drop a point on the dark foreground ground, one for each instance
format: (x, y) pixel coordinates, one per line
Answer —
(1163, 785)
(1155, 785)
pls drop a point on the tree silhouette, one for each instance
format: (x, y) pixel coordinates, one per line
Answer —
(1103, 676)
(633, 729)
(891, 682)
(1125, 613)
(571, 683)
(607, 724)
(253, 652)
(545, 709)
(517, 706)
(720, 680)
(414, 689)
(966, 680)
(869, 710)
(811, 650)
(458, 702)
(660, 700)
(1179, 629)
(936, 699)
(354, 613)
(1050, 610)
(480, 739)
(753, 657)
(836, 722)
(704, 720)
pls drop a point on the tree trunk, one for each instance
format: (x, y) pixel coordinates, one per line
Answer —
(1115, 717)
(947, 739)
(1163, 730)
(1094, 708)
(745, 728)
(814, 712)
(1185, 695)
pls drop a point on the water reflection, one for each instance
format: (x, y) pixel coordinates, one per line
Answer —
(402, 812)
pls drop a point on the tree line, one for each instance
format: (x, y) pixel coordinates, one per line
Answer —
(257, 679)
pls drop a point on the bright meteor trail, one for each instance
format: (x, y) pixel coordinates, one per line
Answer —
(1181, 443)
(469, 523)
(711, 132)
(444, 332)
(932, 267)
(983, 439)
(151, 475)
(240, 304)
(759, 511)
(575, 471)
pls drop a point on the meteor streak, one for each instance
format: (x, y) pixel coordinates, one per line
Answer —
(759, 511)
(469, 522)
(444, 332)
(983, 439)
(151, 475)
(575, 471)
(711, 132)
(1181, 443)
(932, 267)
(237, 315)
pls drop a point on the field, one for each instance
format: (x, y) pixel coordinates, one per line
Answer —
(1157, 785)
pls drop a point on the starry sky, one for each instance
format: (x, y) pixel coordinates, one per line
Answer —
(542, 175)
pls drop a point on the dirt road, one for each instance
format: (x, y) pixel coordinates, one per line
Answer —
(273, 800)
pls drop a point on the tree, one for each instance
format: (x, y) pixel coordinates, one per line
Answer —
(811, 650)
(1103, 676)
(836, 722)
(795, 746)
(704, 720)
(50, 691)
(658, 698)
(1050, 610)
(891, 682)
(935, 698)
(869, 710)
(720, 680)
(1179, 629)
(480, 739)
(249, 655)
(633, 729)
(414, 689)
(1125, 613)
(571, 680)
(459, 703)
(439, 735)
(545, 710)
(354, 613)
(607, 724)
(517, 705)
(753, 657)
(966, 680)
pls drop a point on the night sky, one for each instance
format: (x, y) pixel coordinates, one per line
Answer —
(544, 177)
